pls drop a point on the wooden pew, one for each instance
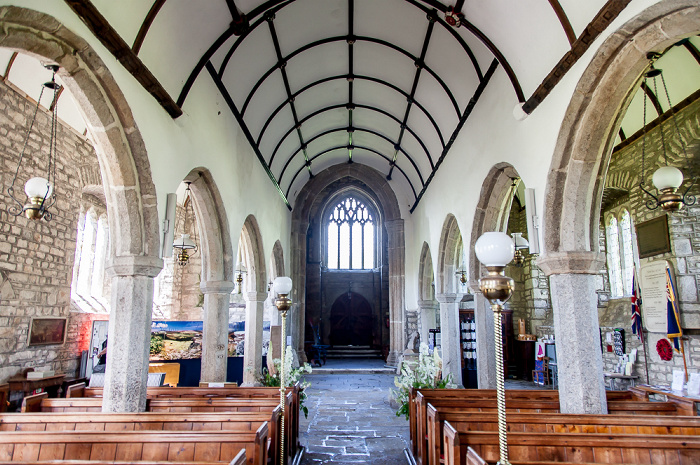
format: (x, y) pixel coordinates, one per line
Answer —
(523, 394)
(4, 395)
(190, 405)
(33, 403)
(574, 447)
(240, 459)
(685, 405)
(225, 421)
(76, 390)
(555, 423)
(134, 446)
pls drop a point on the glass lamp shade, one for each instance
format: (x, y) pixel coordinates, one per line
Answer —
(519, 241)
(184, 242)
(494, 249)
(283, 285)
(667, 177)
(38, 187)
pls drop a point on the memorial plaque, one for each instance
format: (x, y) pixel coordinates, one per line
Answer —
(652, 281)
(652, 237)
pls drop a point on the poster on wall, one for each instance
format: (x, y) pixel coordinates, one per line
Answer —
(176, 340)
(652, 281)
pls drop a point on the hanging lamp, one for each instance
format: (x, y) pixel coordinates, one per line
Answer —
(520, 243)
(184, 244)
(40, 190)
(668, 178)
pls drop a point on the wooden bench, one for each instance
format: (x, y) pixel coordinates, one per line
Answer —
(555, 423)
(4, 396)
(685, 405)
(33, 403)
(134, 446)
(225, 421)
(240, 459)
(418, 417)
(573, 447)
(190, 405)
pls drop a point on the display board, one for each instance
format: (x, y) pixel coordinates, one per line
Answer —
(652, 280)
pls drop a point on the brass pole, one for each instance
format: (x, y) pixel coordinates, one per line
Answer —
(500, 386)
(282, 384)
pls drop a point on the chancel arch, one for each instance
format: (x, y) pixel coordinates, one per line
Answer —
(309, 269)
(572, 201)
(129, 191)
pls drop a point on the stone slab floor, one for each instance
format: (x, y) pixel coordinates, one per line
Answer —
(350, 421)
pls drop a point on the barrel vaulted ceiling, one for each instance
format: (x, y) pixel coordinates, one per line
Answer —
(316, 83)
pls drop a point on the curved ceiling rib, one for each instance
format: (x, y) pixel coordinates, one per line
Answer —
(343, 147)
(284, 60)
(356, 77)
(364, 107)
(353, 129)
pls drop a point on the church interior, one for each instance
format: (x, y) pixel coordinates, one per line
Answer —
(164, 163)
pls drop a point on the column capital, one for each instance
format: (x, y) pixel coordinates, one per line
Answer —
(571, 262)
(394, 225)
(447, 298)
(134, 265)
(216, 287)
(429, 304)
(256, 296)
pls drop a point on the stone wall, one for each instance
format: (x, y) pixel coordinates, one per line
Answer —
(684, 230)
(36, 257)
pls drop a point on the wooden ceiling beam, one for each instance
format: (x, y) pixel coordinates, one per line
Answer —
(109, 37)
(605, 16)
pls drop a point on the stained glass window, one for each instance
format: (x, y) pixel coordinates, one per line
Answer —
(351, 235)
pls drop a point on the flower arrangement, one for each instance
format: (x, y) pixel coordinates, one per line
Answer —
(426, 374)
(292, 376)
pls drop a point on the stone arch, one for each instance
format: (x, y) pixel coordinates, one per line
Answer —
(426, 276)
(584, 146)
(380, 190)
(451, 247)
(251, 249)
(121, 152)
(492, 211)
(277, 261)
(215, 239)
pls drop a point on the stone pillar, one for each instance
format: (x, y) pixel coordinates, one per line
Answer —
(397, 264)
(129, 332)
(428, 309)
(296, 317)
(215, 330)
(572, 277)
(449, 332)
(485, 342)
(252, 357)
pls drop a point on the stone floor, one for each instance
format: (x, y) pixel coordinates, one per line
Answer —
(350, 421)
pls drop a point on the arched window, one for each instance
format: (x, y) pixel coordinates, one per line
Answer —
(627, 253)
(613, 245)
(351, 236)
(620, 254)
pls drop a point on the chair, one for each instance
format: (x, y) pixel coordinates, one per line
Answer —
(540, 375)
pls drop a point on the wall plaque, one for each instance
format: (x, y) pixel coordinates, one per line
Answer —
(652, 237)
(652, 281)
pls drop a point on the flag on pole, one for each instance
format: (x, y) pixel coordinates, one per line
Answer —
(674, 331)
(637, 308)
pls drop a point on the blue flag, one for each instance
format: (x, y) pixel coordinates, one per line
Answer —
(674, 331)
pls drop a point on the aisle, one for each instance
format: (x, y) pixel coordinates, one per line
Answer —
(350, 421)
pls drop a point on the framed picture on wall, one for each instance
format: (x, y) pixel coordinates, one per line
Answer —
(652, 237)
(45, 331)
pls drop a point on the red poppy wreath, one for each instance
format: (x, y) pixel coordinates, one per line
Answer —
(663, 348)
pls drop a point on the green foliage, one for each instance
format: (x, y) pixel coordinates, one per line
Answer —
(156, 344)
(291, 377)
(426, 374)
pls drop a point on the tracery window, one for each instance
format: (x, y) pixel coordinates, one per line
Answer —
(351, 236)
(620, 250)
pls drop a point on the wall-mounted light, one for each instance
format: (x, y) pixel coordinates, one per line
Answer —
(666, 179)
(184, 244)
(40, 190)
(462, 274)
(520, 244)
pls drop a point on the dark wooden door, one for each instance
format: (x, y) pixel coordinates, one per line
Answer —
(351, 321)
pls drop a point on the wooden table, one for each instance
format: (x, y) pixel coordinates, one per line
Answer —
(29, 385)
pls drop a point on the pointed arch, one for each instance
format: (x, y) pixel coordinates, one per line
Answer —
(426, 276)
(277, 261)
(450, 255)
(251, 249)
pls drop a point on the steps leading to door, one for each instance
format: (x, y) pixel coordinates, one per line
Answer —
(353, 352)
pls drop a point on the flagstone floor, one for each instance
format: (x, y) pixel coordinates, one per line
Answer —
(350, 421)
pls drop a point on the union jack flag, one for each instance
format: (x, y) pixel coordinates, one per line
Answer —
(637, 309)
(674, 331)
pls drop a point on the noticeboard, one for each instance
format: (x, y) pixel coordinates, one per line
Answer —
(652, 237)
